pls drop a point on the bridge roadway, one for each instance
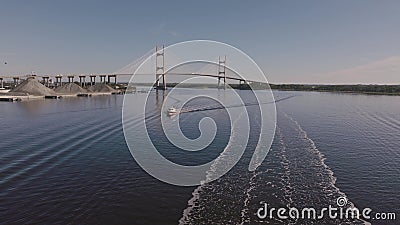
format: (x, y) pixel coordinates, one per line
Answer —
(92, 77)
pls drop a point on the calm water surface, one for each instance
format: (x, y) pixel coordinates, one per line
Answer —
(66, 161)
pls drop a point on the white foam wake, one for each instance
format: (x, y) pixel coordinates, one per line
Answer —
(322, 158)
(209, 176)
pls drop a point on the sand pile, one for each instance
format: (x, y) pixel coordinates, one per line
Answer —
(70, 88)
(31, 87)
(101, 88)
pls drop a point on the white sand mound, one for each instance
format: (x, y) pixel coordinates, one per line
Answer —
(101, 88)
(32, 87)
(70, 88)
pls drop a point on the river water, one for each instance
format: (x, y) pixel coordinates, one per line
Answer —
(66, 161)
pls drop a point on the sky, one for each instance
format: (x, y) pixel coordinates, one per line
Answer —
(333, 42)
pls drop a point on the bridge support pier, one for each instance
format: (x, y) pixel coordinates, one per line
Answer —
(2, 84)
(16, 81)
(58, 80)
(103, 78)
(92, 80)
(82, 78)
(45, 80)
(70, 79)
(112, 76)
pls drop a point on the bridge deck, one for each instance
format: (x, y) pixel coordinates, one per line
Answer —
(114, 75)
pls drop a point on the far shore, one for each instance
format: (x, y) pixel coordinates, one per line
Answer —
(372, 89)
(345, 89)
(391, 90)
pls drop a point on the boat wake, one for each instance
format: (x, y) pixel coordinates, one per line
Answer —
(293, 175)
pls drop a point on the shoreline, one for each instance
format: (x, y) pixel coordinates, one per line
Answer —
(387, 90)
(19, 98)
(383, 90)
(342, 92)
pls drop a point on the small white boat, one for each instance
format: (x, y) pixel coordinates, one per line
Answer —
(172, 111)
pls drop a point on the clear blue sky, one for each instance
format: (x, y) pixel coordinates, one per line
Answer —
(338, 41)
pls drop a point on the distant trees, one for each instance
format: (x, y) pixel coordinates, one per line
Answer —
(367, 89)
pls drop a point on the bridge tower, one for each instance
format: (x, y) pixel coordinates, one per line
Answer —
(160, 68)
(221, 70)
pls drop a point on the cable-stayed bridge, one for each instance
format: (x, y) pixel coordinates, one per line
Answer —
(158, 74)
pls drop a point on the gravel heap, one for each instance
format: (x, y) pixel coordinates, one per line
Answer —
(101, 88)
(70, 88)
(31, 87)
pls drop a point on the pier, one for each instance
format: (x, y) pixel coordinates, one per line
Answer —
(161, 73)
